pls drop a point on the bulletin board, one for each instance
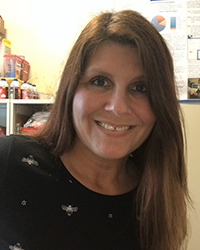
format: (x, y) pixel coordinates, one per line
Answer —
(178, 21)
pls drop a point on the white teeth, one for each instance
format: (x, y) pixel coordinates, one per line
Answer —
(106, 126)
(109, 127)
(121, 129)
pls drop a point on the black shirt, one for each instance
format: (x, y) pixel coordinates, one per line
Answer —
(43, 207)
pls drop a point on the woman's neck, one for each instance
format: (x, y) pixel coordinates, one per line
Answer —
(105, 176)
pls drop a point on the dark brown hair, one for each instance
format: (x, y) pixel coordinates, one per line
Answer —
(162, 193)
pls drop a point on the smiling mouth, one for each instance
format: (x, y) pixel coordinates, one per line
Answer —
(112, 128)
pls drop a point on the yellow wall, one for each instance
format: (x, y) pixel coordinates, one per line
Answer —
(43, 31)
(192, 119)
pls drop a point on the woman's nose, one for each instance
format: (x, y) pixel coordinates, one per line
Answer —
(118, 102)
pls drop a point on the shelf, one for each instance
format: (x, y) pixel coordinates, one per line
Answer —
(17, 111)
(28, 101)
(5, 101)
(5, 114)
(32, 101)
(21, 110)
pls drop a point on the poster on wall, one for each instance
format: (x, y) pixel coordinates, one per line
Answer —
(169, 17)
(178, 21)
(193, 49)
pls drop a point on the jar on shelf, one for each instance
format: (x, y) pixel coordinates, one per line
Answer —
(15, 89)
(3, 89)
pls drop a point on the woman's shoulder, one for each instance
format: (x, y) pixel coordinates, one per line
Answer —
(14, 139)
(10, 143)
(15, 149)
(19, 143)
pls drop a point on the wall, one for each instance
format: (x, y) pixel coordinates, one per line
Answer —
(192, 122)
(44, 32)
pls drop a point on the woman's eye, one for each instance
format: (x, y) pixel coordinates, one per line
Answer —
(140, 88)
(100, 81)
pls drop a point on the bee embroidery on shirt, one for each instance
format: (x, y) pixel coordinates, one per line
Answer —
(16, 247)
(69, 209)
(30, 160)
(23, 203)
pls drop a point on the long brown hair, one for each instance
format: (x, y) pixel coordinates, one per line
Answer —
(162, 193)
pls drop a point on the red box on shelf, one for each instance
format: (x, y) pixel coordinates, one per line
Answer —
(25, 70)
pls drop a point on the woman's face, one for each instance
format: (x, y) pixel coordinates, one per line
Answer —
(111, 112)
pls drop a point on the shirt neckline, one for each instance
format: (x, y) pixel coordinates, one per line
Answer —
(64, 173)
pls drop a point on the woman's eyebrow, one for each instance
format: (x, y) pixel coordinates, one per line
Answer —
(99, 71)
(94, 70)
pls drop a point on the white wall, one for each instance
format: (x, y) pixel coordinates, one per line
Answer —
(44, 31)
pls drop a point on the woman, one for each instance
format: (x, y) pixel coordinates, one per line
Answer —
(108, 170)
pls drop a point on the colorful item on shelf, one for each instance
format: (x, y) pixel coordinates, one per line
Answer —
(24, 91)
(3, 89)
(24, 70)
(5, 48)
(35, 121)
(15, 89)
(2, 131)
(12, 65)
